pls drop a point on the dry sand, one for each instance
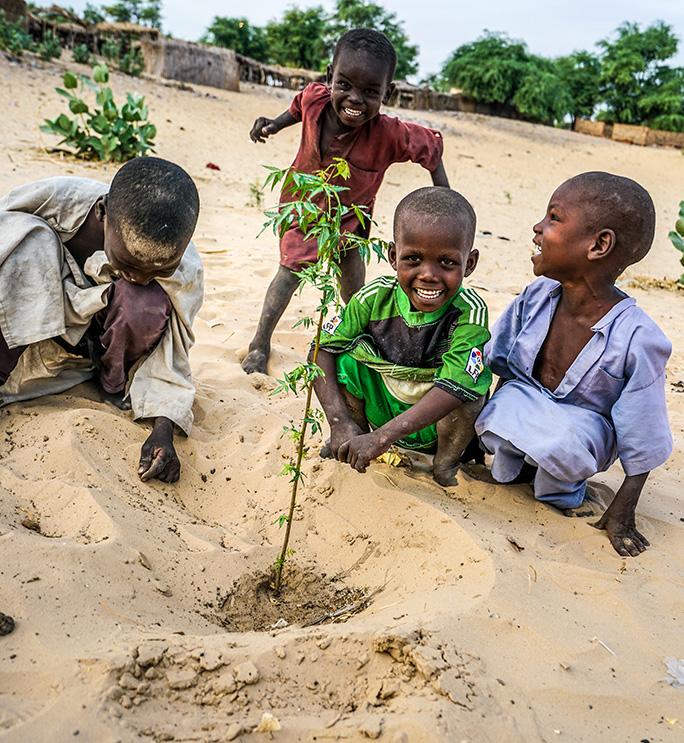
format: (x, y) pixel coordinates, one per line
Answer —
(121, 589)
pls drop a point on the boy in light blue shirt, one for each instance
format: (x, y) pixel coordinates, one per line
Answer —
(581, 367)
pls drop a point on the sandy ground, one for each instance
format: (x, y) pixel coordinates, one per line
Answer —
(121, 590)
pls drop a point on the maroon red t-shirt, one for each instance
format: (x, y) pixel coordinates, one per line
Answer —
(370, 150)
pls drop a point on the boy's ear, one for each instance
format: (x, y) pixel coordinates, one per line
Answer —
(391, 88)
(392, 255)
(101, 208)
(328, 75)
(471, 262)
(603, 245)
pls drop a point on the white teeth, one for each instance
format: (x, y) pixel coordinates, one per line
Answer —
(352, 112)
(428, 294)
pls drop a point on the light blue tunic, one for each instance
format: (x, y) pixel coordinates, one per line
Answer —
(610, 404)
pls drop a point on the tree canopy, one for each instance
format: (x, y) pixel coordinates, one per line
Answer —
(628, 80)
(637, 85)
(306, 38)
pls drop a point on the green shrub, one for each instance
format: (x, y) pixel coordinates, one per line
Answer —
(110, 49)
(13, 38)
(50, 47)
(81, 54)
(677, 237)
(104, 132)
(132, 62)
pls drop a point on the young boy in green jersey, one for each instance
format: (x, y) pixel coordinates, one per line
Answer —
(404, 362)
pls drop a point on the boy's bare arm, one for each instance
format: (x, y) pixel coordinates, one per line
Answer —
(329, 393)
(263, 128)
(439, 176)
(619, 521)
(361, 450)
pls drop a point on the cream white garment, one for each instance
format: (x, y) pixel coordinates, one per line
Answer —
(44, 294)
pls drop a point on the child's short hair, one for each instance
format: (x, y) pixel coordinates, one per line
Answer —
(154, 205)
(620, 204)
(437, 202)
(371, 41)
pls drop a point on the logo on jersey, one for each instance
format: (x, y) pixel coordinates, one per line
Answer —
(475, 365)
(331, 325)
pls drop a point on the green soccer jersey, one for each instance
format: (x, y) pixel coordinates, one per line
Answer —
(446, 347)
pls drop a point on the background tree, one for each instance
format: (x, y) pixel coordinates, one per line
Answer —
(142, 12)
(360, 14)
(581, 73)
(489, 69)
(298, 40)
(238, 34)
(636, 86)
(92, 14)
(542, 94)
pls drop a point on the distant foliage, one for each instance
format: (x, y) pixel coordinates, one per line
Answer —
(677, 238)
(489, 69)
(306, 37)
(238, 34)
(50, 47)
(132, 62)
(142, 12)
(104, 131)
(110, 49)
(629, 79)
(298, 40)
(638, 86)
(81, 54)
(93, 15)
(13, 38)
(580, 73)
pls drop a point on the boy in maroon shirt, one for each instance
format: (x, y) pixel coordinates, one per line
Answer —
(342, 119)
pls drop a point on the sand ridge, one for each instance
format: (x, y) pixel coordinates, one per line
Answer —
(116, 585)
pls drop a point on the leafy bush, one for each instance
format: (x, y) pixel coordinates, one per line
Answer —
(111, 49)
(50, 47)
(81, 54)
(677, 237)
(13, 38)
(132, 62)
(104, 132)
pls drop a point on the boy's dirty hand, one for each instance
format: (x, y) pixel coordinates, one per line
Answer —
(340, 433)
(262, 129)
(158, 458)
(623, 534)
(360, 451)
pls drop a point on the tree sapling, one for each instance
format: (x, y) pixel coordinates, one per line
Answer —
(317, 209)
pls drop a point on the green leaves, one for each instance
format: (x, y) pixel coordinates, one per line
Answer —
(103, 132)
(312, 203)
(676, 237)
(70, 80)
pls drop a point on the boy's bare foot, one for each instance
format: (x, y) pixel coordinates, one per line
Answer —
(6, 624)
(479, 473)
(117, 399)
(594, 503)
(446, 477)
(256, 361)
(326, 451)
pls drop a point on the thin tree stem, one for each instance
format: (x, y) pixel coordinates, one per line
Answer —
(278, 577)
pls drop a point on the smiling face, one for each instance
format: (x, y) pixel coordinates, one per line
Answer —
(431, 258)
(566, 243)
(127, 266)
(359, 84)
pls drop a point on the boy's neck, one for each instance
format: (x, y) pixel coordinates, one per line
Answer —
(590, 296)
(88, 239)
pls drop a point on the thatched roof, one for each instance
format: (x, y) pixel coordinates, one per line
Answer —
(124, 28)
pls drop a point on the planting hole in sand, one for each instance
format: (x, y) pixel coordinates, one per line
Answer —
(307, 598)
